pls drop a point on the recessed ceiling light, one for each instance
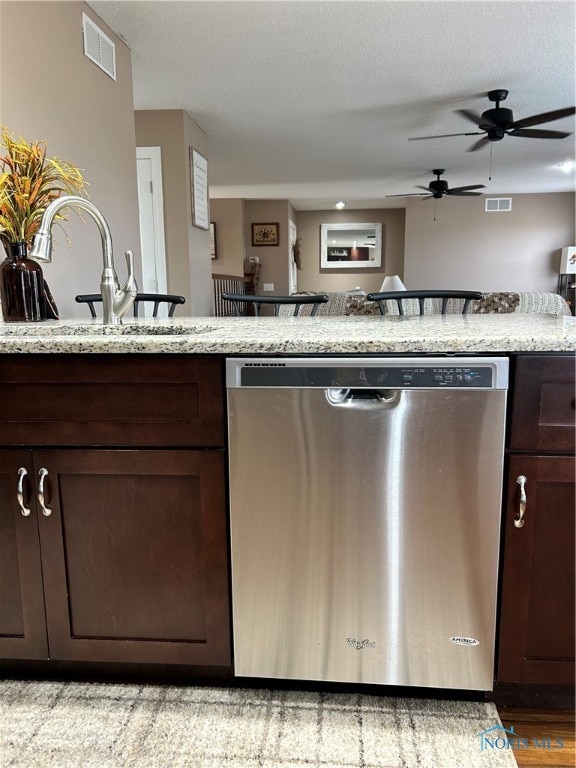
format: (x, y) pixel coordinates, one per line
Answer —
(568, 166)
(341, 204)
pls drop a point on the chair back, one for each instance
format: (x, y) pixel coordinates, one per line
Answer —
(141, 298)
(400, 296)
(241, 302)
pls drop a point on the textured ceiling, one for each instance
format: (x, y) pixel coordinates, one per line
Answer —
(315, 101)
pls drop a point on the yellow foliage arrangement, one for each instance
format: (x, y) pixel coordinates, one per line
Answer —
(29, 182)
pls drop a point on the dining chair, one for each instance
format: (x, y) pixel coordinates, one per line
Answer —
(141, 298)
(400, 296)
(241, 301)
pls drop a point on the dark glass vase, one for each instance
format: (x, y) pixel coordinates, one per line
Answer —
(21, 286)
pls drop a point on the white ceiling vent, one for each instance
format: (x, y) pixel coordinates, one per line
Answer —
(498, 204)
(98, 47)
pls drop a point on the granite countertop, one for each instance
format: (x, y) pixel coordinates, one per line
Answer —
(514, 332)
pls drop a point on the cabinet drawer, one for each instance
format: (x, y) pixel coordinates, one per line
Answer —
(544, 404)
(111, 400)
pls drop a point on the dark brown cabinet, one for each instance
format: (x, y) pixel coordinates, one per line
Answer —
(543, 404)
(22, 620)
(123, 557)
(537, 615)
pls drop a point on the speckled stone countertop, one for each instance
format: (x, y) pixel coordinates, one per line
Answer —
(300, 335)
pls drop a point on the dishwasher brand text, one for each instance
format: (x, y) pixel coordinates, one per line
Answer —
(360, 644)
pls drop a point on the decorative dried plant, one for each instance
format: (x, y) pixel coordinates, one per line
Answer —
(29, 182)
(297, 252)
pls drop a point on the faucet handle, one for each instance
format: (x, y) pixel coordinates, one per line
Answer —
(130, 286)
(130, 263)
(124, 297)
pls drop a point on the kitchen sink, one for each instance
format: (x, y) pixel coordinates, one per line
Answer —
(131, 329)
(137, 328)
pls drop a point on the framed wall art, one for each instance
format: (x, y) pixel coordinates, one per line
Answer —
(213, 251)
(199, 190)
(265, 234)
(351, 246)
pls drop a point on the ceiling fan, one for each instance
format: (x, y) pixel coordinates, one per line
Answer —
(499, 122)
(438, 188)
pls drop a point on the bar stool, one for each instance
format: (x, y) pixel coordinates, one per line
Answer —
(400, 296)
(141, 298)
(239, 299)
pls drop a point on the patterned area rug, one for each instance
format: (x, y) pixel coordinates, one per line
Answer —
(92, 725)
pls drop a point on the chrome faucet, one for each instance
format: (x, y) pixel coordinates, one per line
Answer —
(116, 301)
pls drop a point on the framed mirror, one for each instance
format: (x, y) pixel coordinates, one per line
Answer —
(350, 246)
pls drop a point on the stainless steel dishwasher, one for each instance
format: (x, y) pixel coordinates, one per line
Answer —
(365, 500)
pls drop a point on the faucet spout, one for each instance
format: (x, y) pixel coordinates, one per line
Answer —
(115, 301)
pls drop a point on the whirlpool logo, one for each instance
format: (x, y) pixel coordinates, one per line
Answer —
(360, 644)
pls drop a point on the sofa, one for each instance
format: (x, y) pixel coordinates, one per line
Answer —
(355, 303)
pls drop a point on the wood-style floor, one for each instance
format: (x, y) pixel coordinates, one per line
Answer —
(542, 724)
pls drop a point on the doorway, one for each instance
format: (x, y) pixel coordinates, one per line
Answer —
(151, 213)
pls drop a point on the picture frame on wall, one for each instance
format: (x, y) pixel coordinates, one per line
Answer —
(199, 190)
(265, 234)
(351, 246)
(213, 252)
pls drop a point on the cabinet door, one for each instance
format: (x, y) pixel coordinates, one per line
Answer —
(22, 622)
(537, 611)
(134, 556)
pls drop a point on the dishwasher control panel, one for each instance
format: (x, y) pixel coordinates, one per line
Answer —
(397, 373)
(438, 377)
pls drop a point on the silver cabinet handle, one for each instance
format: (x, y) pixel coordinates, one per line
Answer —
(22, 472)
(45, 510)
(519, 520)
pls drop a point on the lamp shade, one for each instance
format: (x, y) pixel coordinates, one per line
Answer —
(568, 260)
(392, 283)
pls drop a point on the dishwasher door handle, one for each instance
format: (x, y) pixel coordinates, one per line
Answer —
(363, 399)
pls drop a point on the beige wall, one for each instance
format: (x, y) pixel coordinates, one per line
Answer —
(50, 90)
(228, 216)
(187, 247)
(273, 259)
(311, 278)
(469, 249)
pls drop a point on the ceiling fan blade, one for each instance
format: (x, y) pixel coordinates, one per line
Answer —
(536, 133)
(462, 194)
(469, 188)
(413, 194)
(426, 189)
(545, 117)
(479, 144)
(444, 136)
(474, 118)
